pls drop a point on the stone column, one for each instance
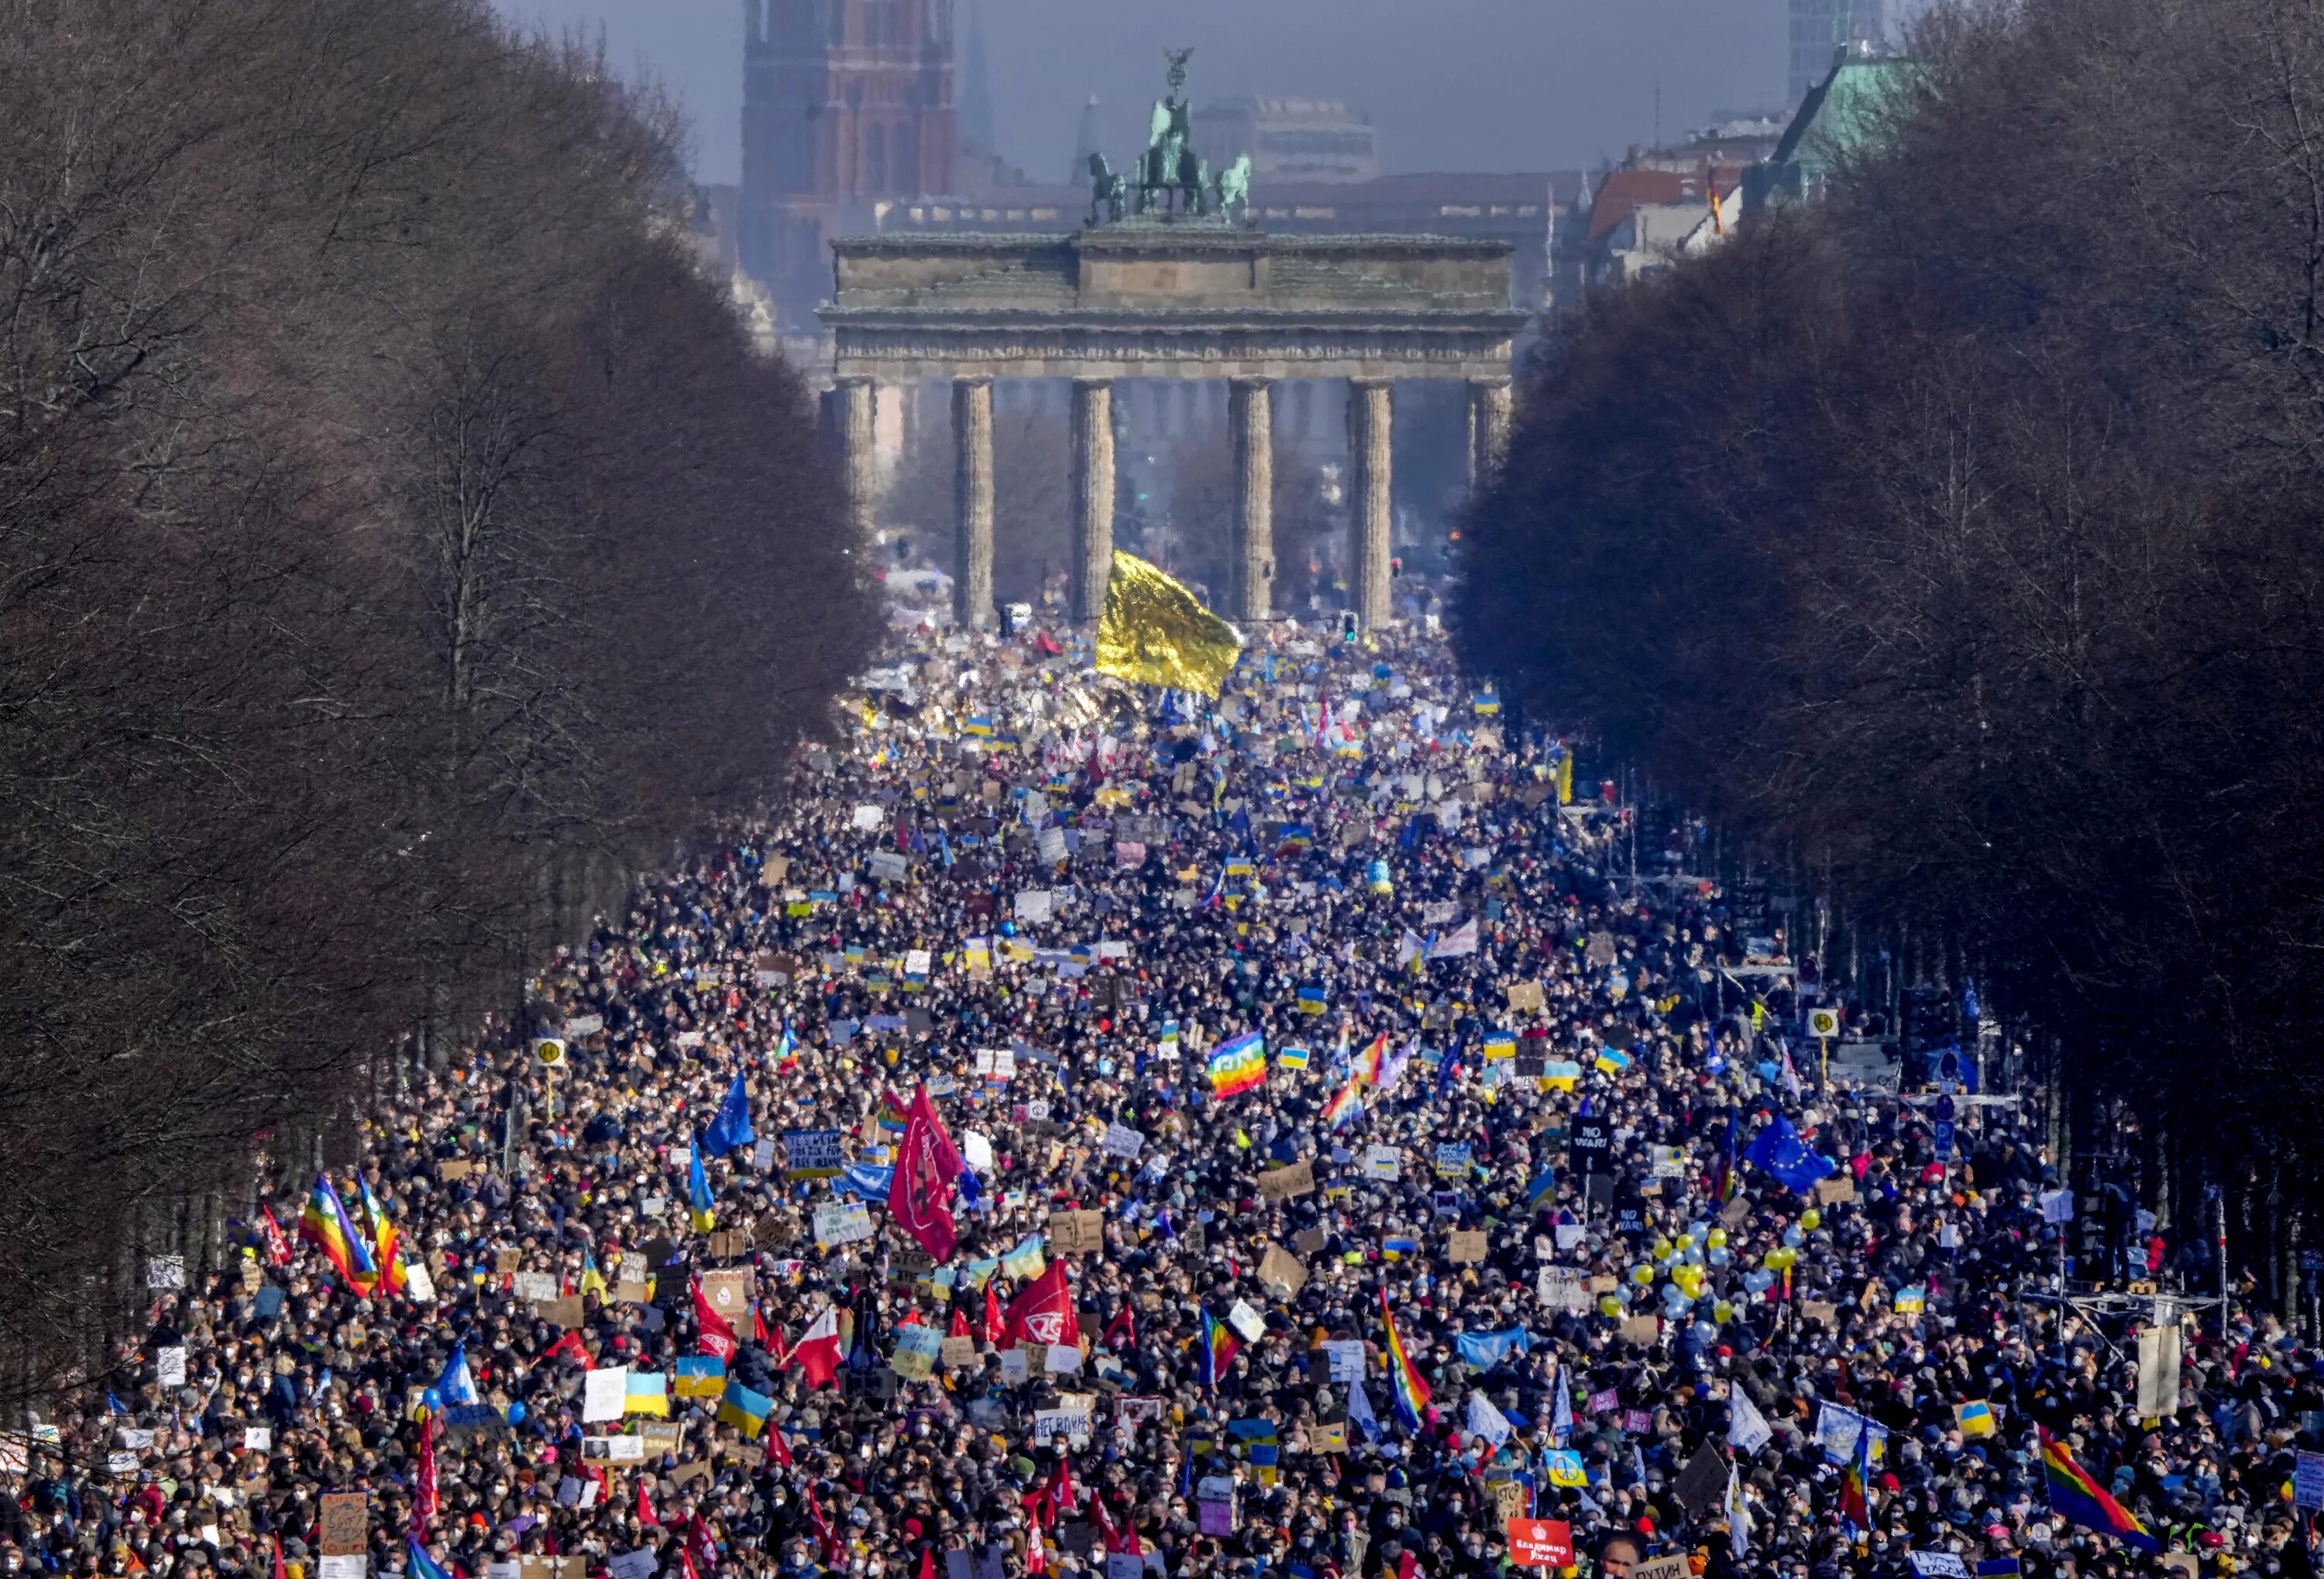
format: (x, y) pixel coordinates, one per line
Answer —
(1370, 519)
(1250, 411)
(971, 429)
(859, 454)
(1093, 550)
(1488, 429)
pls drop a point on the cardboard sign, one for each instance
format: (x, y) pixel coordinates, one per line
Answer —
(1524, 995)
(728, 1292)
(1642, 1330)
(1309, 1241)
(1281, 1273)
(958, 1354)
(342, 1531)
(1283, 1184)
(1672, 1567)
(564, 1312)
(1541, 1543)
(1836, 1191)
(1466, 1247)
(1077, 1233)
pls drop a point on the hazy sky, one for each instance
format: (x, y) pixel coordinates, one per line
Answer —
(1451, 84)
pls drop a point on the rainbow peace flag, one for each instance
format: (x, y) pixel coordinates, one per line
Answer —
(893, 1112)
(1239, 1065)
(1405, 1382)
(326, 1226)
(2075, 1496)
(1344, 1105)
(1368, 1067)
(386, 1242)
(1219, 1346)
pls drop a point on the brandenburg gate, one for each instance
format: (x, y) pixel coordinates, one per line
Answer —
(1165, 281)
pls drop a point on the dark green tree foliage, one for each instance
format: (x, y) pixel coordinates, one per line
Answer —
(398, 541)
(1963, 534)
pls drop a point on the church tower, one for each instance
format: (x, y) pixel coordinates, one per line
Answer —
(846, 104)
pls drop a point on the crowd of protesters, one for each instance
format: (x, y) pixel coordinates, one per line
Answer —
(1651, 1281)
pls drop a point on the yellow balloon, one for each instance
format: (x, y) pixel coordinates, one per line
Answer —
(1643, 1276)
(1718, 1238)
(1810, 1219)
(1608, 1306)
(1722, 1313)
(1781, 1258)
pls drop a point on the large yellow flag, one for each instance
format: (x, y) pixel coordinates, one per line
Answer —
(1155, 633)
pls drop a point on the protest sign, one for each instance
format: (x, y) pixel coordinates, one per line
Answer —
(1076, 1232)
(1283, 1184)
(841, 1222)
(917, 1350)
(1281, 1273)
(1466, 1247)
(1540, 1543)
(341, 1531)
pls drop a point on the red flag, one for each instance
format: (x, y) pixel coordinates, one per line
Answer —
(280, 1572)
(834, 1554)
(919, 1192)
(425, 1500)
(927, 1563)
(759, 1326)
(777, 1448)
(1121, 1329)
(646, 1514)
(278, 1247)
(717, 1332)
(994, 1325)
(1043, 1312)
(960, 1324)
(704, 1544)
(570, 1343)
(818, 1351)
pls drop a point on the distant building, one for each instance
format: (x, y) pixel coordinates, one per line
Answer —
(1289, 139)
(1518, 208)
(1820, 26)
(1085, 143)
(1842, 112)
(846, 104)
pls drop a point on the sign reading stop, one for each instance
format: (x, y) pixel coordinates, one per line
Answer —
(1541, 1543)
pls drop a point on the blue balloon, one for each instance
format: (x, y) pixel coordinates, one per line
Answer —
(1759, 1282)
(1795, 1236)
(1719, 1255)
(433, 1400)
(516, 1414)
